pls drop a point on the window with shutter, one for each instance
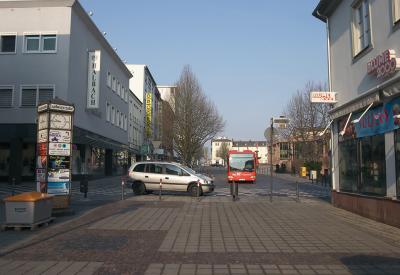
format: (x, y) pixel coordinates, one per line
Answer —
(6, 97)
(28, 97)
(46, 93)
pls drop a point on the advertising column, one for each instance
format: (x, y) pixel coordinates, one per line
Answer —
(53, 169)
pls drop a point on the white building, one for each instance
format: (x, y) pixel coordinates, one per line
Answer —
(363, 64)
(216, 144)
(260, 147)
(144, 87)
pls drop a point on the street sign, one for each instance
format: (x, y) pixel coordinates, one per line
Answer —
(323, 97)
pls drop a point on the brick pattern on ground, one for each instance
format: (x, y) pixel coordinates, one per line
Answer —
(212, 235)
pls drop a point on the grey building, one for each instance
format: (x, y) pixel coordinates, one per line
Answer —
(135, 127)
(52, 49)
(363, 63)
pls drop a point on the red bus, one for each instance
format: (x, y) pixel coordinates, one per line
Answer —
(242, 166)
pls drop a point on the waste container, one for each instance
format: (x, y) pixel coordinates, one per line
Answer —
(303, 171)
(28, 208)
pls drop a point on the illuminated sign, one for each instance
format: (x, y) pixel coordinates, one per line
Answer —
(149, 97)
(384, 65)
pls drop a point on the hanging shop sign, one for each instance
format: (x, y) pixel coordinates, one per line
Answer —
(59, 149)
(323, 97)
(384, 65)
(149, 102)
(93, 80)
(378, 120)
(60, 136)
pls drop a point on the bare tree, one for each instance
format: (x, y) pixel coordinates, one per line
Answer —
(307, 120)
(196, 119)
(223, 151)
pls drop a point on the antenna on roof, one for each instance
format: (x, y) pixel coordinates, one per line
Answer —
(104, 33)
(90, 13)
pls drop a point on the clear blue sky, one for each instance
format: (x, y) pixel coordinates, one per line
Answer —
(249, 56)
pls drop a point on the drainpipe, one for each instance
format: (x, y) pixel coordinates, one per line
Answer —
(328, 52)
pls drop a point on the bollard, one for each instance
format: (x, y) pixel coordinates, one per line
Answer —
(271, 190)
(297, 191)
(122, 189)
(160, 191)
(198, 188)
(236, 190)
(13, 186)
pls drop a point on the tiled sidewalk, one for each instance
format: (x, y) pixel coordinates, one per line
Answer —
(213, 235)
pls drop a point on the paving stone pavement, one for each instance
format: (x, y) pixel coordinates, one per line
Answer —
(211, 235)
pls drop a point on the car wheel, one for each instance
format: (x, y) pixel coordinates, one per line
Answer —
(138, 188)
(193, 190)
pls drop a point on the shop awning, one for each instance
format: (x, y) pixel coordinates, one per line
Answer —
(355, 105)
(382, 91)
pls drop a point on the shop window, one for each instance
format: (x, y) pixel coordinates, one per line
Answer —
(362, 165)
(28, 160)
(373, 165)
(348, 166)
(361, 26)
(4, 159)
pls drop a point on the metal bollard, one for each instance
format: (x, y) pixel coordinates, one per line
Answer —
(297, 191)
(160, 191)
(236, 190)
(123, 190)
(271, 190)
(13, 187)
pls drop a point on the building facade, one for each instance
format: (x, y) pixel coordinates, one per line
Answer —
(216, 144)
(143, 85)
(259, 147)
(363, 49)
(63, 55)
(136, 127)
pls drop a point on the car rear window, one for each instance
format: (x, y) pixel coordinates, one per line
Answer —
(139, 168)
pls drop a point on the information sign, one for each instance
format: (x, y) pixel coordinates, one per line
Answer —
(42, 136)
(323, 97)
(60, 136)
(59, 149)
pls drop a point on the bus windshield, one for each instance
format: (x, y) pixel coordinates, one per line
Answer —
(241, 162)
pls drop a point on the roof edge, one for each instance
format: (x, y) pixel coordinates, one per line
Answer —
(325, 8)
